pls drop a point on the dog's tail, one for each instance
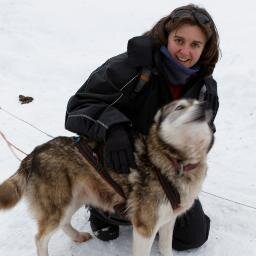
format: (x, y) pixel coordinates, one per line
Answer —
(12, 189)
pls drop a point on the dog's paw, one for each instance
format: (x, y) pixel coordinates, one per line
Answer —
(82, 237)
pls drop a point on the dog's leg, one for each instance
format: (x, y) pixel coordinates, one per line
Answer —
(45, 231)
(75, 235)
(165, 238)
(141, 244)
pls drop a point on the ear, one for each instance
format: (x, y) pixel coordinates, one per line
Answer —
(158, 116)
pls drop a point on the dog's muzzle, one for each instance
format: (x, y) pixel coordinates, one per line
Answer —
(200, 112)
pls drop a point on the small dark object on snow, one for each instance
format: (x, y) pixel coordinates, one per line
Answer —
(25, 99)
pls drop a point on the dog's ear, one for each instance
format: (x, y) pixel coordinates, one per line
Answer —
(158, 116)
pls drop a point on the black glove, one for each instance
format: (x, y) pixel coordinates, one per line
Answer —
(212, 101)
(211, 96)
(118, 150)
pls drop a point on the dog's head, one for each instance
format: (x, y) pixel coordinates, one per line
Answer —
(183, 125)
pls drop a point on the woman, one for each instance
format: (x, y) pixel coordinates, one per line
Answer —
(175, 59)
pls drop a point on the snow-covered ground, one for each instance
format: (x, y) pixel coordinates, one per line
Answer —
(47, 50)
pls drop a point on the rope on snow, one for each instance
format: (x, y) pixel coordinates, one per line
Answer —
(11, 146)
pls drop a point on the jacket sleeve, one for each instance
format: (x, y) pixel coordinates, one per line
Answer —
(212, 99)
(96, 105)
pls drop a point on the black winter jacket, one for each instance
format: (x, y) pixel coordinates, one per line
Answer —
(108, 96)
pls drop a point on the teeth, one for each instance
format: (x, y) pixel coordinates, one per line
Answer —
(182, 59)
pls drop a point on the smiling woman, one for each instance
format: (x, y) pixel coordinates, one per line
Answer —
(175, 59)
(198, 18)
(186, 44)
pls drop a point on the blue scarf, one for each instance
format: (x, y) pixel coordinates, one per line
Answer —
(176, 73)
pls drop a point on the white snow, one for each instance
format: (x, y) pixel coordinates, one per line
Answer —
(48, 49)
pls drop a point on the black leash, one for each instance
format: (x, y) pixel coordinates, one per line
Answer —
(92, 157)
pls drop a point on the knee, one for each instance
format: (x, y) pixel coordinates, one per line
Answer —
(191, 229)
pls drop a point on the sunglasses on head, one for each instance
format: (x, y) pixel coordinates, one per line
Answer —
(200, 17)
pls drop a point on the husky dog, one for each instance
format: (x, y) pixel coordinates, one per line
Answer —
(57, 179)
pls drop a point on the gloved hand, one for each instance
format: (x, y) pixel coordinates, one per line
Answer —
(118, 150)
(212, 101)
(211, 97)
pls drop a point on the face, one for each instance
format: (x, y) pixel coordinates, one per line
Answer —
(184, 125)
(186, 44)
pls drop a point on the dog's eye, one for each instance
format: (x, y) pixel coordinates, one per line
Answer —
(180, 107)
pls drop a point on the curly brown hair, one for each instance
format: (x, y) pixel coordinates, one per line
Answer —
(193, 15)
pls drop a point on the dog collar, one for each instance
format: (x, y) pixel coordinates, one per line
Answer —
(180, 168)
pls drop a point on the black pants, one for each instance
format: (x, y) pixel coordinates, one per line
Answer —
(191, 230)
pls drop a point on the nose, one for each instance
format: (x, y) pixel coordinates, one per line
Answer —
(185, 50)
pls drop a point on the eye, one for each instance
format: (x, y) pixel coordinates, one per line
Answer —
(178, 41)
(195, 45)
(179, 107)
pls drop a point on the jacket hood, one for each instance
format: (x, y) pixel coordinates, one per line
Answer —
(140, 51)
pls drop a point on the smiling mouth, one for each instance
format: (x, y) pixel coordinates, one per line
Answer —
(183, 60)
